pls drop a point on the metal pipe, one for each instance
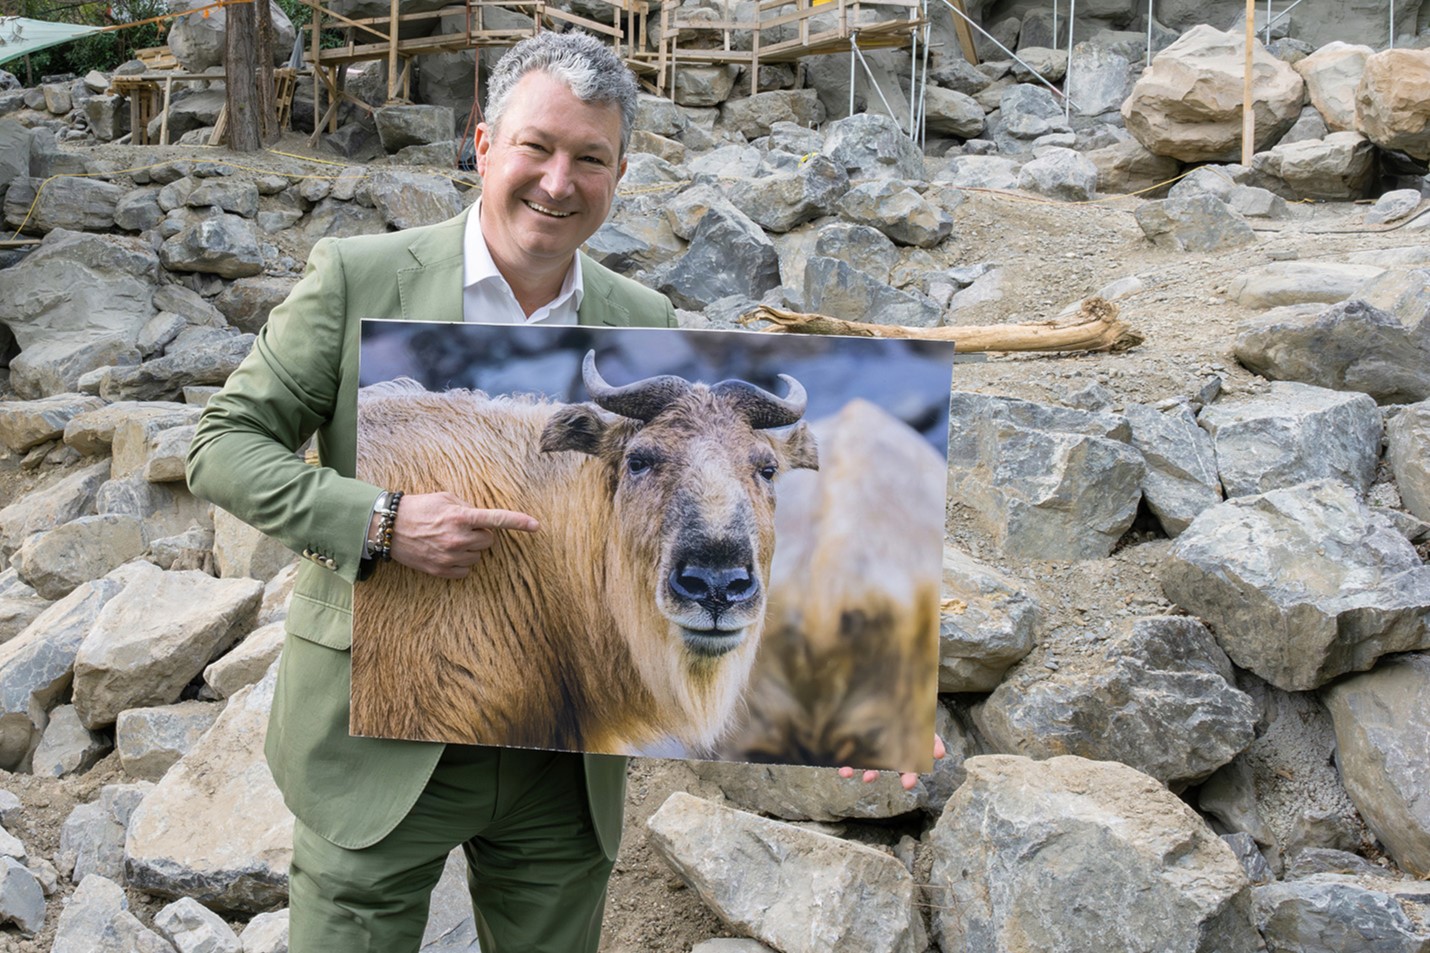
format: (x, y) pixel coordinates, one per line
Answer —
(872, 81)
(1149, 32)
(913, 85)
(853, 45)
(1067, 76)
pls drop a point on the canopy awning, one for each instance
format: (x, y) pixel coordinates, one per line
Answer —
(20, 35)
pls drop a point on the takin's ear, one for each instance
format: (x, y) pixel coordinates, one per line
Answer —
(800, 448)
(578, 427)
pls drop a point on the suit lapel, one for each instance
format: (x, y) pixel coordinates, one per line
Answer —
(599, 305)
(430, 288)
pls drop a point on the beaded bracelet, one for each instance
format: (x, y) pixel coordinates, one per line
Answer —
(387, 519)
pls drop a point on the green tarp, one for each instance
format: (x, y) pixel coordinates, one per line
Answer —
(19, 36)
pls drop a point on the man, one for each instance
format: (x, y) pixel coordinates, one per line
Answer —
(376, 818)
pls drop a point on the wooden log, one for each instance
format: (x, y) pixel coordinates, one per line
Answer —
(1095, 327)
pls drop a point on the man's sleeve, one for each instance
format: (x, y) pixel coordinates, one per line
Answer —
(243, 456)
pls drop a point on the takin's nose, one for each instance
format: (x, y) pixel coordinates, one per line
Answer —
(717, 588)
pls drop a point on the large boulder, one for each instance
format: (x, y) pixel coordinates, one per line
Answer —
(69, 203)
(223, 244)
(1187, 104)
(1282, 283)
(1393, 101)
(898, 211)
(1332, 75)
(1338, 913)
(1301, 584)
(56, 504)
(872, 146)
(1408, 453)
(988, 621)
(1070, 854)
(1382, 719)
(729, 255)
(1340, 167)
(1198, 223)
(1181, 478)
(198, 42)
(781, 200)
(834, 287)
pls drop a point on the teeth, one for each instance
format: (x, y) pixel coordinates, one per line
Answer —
(547, 211)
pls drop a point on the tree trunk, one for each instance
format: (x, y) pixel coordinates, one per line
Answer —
(240, 56)
(267, 105)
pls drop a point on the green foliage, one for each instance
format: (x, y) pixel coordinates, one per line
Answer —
(101, 51)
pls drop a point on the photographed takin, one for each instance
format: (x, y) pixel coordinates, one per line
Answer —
(630, 620)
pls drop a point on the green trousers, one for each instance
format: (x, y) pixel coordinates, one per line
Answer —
(535, 869)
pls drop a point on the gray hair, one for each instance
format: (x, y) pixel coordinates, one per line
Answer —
(593, 72)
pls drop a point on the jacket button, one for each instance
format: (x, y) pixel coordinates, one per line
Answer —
(330, 563)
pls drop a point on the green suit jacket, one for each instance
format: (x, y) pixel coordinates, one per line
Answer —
(301, 380)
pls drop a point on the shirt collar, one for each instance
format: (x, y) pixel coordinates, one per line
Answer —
(478, 266)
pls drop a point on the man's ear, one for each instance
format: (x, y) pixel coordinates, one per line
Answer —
(577, 427)
(481, 142)
(620, 170)
(801, 450)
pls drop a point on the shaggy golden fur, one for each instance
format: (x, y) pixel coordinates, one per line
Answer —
(563, 638)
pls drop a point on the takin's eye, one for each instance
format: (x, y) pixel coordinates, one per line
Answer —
(767, 471)
(638, 463)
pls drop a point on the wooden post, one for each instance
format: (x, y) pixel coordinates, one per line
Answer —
(267, 94)
(240, 56)
(317, 73)
(164, 121)
(1248, 116)
(392, 78)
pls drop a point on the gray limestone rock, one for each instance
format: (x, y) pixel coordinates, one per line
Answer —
(1330, 913)
(1197, 224)
(1243, 845)
(36, 668)
(1252, 202)
(797, 890)
(797, 793)
(872, 146)
(223, 245)
(1044, 482)
(167, 509)
(1127, 166)
(951, 113)
(898, 211)
(980, 172)
(82, 205)
(1098, 79)
(1216, 180)
(1407, 452)
(1310, 861)
(1071, 854)
(128, 431)
(729, 254)
(704, 85)
(191, 549)
(1295, 433)
(1339, 167)
(215, 828)
(1026, 112)
(228, 195)
(332, 218)
(97, 920)
(1155, 693)
(151, 740)
(241, 666)
(959, 75)
(865, 249)
(92, 837)
(755, 115)
(1393, 206)
(27, 423)
(413, 125)
(835, 288)
(67, 746)
(1382, 719)
(22, 900)
(1301, 584)
(56, 562)
(988, 621)
(19, 605)
(193, 928)
(407, 199)
(165, 378)
(153, 638)
(246, 302)
(108, 117)
(1181, 478)
(782, 200)
(1299, 282)
(268, 932)
(1059, 174)
(166, 457)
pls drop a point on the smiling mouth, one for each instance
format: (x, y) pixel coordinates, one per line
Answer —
(551, 212)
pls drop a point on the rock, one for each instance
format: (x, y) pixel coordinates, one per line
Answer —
(81, 205)
(1283, 283)
(668, 149)
(1329, 913)
(766, 878)
(1050, 64)
(19, 605)
(898, 211)
(865, 249)
(1026, 472)
(92, 838)
(835, 288)
(731, 945)
(28, 423)
(223, 245)
(1309, 126)
(780, 201)
(1408, 454)
(1098, 79)
(401, 126)
(227, 195)
(1156, 694)
(97, 920)
(60, 502)
(1254, 202)
(57, 562)
(1197, 224)
(215, 828)
(1382, 718)
(153, 638)
(167, 509)
(165, 378)
(958, 74)
(1337, 168)
(191, 549)
(1243, 845)
(151, 740)
(67, 746)
(332, 218)
(193, 928)
(704, 85)
(1393, 206)
(1244, 566)
(129, 431)
(1393, 101)
(987, 622)
(268, 932)
(36, 666)
(1181, 478)
(1027, 112)
(247, 301)
(198, 43)
(22, 901)
(1127, 166)
(1332, 74)
(108, 117)
(872, 146)
(1293, 434)
(1047, 850)
(166, 458)
(755, 115)
(951, 113)
(407, 199)
(980, 172)
(1310, 861)
(729, 254)
(798, 793)
(244, 664)
(1059, 174)
(1187, 104)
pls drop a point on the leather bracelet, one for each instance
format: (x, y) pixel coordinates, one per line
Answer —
(387, 519)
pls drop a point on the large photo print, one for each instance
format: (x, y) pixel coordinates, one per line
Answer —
(738, 554)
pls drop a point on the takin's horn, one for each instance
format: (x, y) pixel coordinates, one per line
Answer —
(761, 408)
(642, 400)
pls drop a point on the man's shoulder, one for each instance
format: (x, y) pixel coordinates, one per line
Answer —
(599, 279)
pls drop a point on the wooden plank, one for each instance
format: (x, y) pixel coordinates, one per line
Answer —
(964, 33)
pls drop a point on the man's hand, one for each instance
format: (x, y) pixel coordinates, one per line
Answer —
(438, 533)
(908, 779)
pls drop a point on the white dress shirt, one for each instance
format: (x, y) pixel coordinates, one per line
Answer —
(488, 299)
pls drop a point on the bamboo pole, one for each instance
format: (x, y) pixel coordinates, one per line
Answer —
(1095, 327)
(1248, 117)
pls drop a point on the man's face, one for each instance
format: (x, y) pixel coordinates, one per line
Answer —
(549, 173)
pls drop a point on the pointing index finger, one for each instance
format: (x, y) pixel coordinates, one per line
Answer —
(503, 519)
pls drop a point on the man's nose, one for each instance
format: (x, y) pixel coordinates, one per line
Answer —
(556, 180)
